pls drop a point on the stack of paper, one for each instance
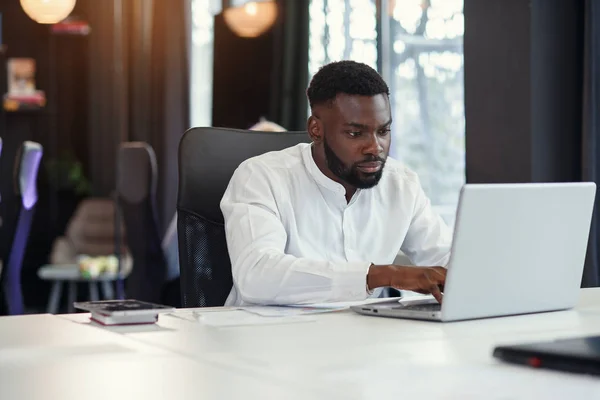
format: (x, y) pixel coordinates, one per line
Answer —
(244, 318)
(270, 315)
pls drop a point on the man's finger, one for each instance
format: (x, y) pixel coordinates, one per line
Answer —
(432, 285)
(435, 291)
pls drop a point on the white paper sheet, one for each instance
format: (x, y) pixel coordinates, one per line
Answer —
(345, 304)
(244, 318)
(191, 314)
(284, 311)
(307, 309)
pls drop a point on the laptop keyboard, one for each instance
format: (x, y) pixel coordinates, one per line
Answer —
(423, 307)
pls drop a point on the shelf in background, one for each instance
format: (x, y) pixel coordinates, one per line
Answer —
(33, 102)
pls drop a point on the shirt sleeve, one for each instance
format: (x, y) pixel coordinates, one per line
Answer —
(429, 239)
(256, 238)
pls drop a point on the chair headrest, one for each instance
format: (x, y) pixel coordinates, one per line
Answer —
(136, 171)
(209, 156)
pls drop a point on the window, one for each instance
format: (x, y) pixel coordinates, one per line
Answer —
(342, 30)
(421, 59)
(201, 62)
(425, 69)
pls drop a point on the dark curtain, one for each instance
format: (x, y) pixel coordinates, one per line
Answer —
(591, 130)
(171, 84)
(139, 88)
(290, 66)
(532, 97)
(107, 124)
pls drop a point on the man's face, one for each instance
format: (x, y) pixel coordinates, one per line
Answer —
(356, 138)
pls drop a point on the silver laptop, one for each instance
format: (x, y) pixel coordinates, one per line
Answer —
(517, 249)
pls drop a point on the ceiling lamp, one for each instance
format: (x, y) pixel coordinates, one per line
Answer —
(48, 11)
(251, 19)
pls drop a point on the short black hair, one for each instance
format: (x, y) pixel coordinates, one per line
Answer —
(349, 77)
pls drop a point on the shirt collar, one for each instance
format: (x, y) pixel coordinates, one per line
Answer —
(318, 175)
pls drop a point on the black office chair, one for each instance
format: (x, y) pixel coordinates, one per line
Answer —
(207, 159)
(17, 208)
(136, 195)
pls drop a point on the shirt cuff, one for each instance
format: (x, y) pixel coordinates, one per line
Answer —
(369, 292)
(350, 282)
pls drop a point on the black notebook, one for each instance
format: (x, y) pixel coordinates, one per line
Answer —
(578, 355)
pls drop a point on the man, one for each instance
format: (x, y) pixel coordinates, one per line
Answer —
(324, 221)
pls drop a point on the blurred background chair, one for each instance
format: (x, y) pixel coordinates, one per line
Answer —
(207, 159)
(18, 208)
(136, 195)
(90, 232)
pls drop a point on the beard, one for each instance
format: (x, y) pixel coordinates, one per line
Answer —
(351, 174)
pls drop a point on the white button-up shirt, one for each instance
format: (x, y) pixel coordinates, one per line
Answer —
(293, 238)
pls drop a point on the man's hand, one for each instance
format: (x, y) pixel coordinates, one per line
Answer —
(426, 280)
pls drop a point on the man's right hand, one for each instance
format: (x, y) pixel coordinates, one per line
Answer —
(426, 280)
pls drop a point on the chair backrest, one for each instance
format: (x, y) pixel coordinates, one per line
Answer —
(207, 159)
(136, 194)
(91, 230)
(17, 222)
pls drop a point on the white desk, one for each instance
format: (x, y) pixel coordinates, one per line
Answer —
(367, 357)
(45, 357)
(141, 377)
(338, 355)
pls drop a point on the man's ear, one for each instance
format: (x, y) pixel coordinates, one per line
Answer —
(314, 127)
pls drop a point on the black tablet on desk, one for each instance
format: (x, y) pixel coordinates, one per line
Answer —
(578, 355)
